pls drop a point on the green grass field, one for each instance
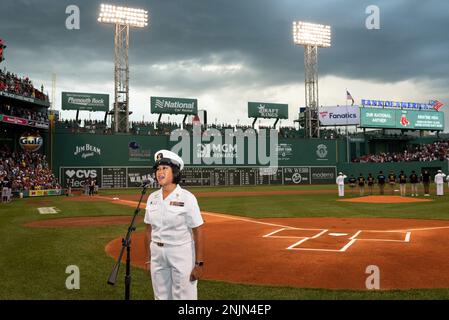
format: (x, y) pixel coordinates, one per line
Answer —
(33, 261)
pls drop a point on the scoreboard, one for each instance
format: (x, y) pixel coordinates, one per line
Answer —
(133, 177)
(247, 176)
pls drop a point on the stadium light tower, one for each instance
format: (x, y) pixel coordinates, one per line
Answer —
(123, 18)
(311, 36)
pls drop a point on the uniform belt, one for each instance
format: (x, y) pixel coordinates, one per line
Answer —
(159, 244)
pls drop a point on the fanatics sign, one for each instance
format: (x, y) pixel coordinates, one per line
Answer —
(339, 116)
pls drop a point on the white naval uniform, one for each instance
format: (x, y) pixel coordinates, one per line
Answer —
(439, 181)
(171, 222)
(341, 185)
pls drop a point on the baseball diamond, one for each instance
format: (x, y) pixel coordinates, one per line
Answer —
(204, 160)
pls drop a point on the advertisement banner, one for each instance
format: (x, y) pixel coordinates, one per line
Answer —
(339, 116)
(44, 193)
(26, 99)
(136, 176)
(267, 110)
(23, 122)
(174, 105)
(323, 175)
(85, 101)
(37, 124)
(377, 118)
(422, 120)
(396, 104)
(296, 175)
(77, 177)
(138, 153)
(401, 119)
(15, 120)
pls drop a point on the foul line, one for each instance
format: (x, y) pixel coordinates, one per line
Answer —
(352, 239)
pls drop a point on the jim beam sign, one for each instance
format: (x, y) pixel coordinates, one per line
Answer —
(86, 151)
(174, 105)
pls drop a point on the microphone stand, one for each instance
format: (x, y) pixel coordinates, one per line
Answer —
(126, 243)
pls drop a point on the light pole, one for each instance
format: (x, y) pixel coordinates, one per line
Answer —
(311, 36)
(122, 18)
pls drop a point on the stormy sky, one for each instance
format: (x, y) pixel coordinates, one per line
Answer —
(228, 52)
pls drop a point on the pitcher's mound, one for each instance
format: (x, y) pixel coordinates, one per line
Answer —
(384, 199)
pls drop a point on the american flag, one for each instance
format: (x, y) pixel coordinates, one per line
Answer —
(437, 105)
(349, 97)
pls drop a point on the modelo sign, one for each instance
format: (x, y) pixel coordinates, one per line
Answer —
(31, 142)
(339, 116)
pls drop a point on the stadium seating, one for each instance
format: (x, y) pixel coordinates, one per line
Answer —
(10, 82)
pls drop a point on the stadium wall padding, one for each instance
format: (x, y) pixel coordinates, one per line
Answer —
(96, 150)
(138, 150)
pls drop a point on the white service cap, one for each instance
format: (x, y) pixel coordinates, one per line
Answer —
(168, 157)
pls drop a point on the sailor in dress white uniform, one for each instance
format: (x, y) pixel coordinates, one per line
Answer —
(439, 181)
(341, 184)
(173, 237)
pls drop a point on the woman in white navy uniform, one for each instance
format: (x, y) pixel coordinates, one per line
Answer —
(173, 237)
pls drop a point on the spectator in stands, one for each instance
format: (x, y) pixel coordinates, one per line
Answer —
(25, 113)
(11, 83)
(439, 150)
(26, 171)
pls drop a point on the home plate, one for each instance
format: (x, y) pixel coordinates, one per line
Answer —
(115, 198)
(338, 234)
(48, 210)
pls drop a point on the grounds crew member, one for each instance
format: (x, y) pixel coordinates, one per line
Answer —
(414, 180)
(361, 183)
(392, 181)
(439, 181)
(341, 184)
(381, 182)
(352, 181)
(174, 243)
(425, 177)
(370, 183)
(402, 183)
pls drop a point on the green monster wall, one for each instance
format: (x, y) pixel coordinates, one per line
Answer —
(125, 160)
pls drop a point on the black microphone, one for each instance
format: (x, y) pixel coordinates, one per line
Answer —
(147, 183)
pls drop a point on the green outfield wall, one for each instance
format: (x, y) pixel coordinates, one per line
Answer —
(125, 160)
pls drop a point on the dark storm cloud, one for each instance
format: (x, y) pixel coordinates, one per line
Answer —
(411, 44)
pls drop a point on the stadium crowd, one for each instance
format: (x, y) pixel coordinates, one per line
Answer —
(24, 171)
(10, 82)
(25, 113)
(165, 128)
(438, 150)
